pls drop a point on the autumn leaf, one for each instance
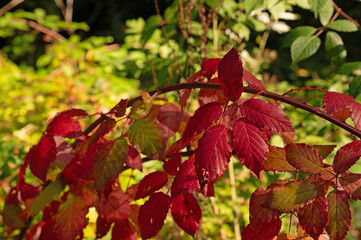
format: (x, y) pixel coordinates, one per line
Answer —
(186, 180)
(293, 195)
(339, 214)
(148, 137)
(64, 125)
(266, 115)
(103, 227)
(324, 150)
(70, 219)
(211, 95)
(259, 215)
(209, 66)
(335, 102)
(304, 157)
(264, 232)
(169, 116)
(347, 156)
(212, 155)
(251, 146)
(114, 208)
(124, 231)
(314, 217)
(152, 214)
(41, 155)
(151, 183)
(133, 159)
(171, 166)
(230, 75)
(186, 213)
(351, 182)
(108, 162)
(252, 80)
(276, 160)
(119, 109)
(355, 109)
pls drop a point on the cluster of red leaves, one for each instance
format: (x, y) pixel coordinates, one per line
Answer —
(90, 166)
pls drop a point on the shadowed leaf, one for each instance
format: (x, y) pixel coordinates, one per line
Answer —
(304, 157)
(347, 156)
(276, 160)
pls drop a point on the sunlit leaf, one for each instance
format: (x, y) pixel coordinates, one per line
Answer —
(212, 155)
(259, 215)
(351, 182)
(265, 232)
(304, 157)
(347, 156)
(151, 183)
(343, 25)
(152, 214)
(339, 214)
(251, 145)
(276, 160)
(304, 47)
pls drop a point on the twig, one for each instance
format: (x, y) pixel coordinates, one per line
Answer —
(47, 31)
(10, 6)
(339, 10)
(69, 11)
(61, 5)
(232, 181)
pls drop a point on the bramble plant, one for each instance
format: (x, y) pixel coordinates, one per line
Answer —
(79, 168)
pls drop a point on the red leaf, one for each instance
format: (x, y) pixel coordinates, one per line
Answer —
(108, 162)
(74, 112)
(151, 183)
(124, 231)
(120, 108)
(171, 166)
(276, 160)
(114, 208)
(264, 232)
(250, 145)
(211, 95)
(186, 213)
(355, 109)
(185, 93)
(324, 150)
(48, 231)
(41, 155)
(70, 219)
(230, 74)
(314, 217)
(186, 180)
(347, 156)
(293, 195)
(252, 80)
(212, 155)
(202, 119)
(152, 214)
(335, 102)
(65, 126)
(339, 214)
(351, 182)
(259, 215)
(304, 158)
(103, 227)
(209, 66)
(266, 115)
(170, 116)
(133, 159)
(231, 115)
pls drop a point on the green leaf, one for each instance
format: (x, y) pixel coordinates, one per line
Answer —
(212, 3)
(304, 47)
(108, 162)
(46, 196)
(297, 32)
(70, 219)
(251, 5)
(335, 49)
(316, 5)
(326, 12)
(348, 68)
(292, 196)
(148, 137)
(355, 87)
(304, 157)
(343, 25)
(150, 26)
(339, 215)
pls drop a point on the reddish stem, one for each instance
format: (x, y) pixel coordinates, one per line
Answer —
(284, 99)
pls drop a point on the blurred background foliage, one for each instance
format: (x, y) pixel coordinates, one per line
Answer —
(57, 55)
